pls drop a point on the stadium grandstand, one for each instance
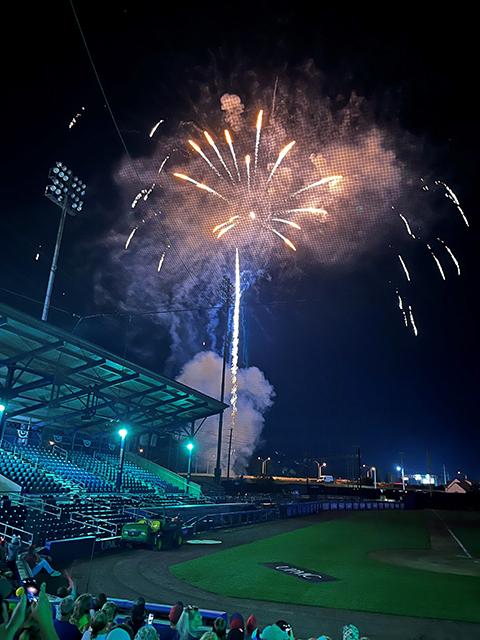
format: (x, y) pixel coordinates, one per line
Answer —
(70, 484)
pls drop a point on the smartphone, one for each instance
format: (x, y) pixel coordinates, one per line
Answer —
(150, 618)
(31, 590)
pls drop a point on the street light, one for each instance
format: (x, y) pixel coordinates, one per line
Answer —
(319, 468)
(374, 470)
(190, 447)
(2, 407)
(401, 469)
(122, 432)
(66, 191)
(264, 465)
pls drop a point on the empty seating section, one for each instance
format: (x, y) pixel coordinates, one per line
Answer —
(43, 525)
(29, 475)
(45, 471)
(135, 479)
(80, 478)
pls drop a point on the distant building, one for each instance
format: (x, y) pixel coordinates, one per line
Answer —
(459, 485)
(422, 479)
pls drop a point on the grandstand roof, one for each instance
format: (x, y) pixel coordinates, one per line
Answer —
(60, 380)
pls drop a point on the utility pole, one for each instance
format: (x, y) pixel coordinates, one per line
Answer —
(65, 191)
(359, 463)
(227, 295)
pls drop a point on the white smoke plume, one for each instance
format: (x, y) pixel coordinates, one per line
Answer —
(255, 396)
(233, 107)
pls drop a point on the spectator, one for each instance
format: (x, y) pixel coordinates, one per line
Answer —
(10, 626)
(237, 627)
(189, 623)
(37, 563)
(110, 610)
(64, 628)
(147, 632)
(250, 626)
(99, 601)
(98, 627)
(138, 613)
(64, 592)
(13, 548)
(81, 612)
(220, 628)
(173, 617)
(121, 632)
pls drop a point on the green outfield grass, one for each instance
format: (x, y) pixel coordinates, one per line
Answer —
(340, 549)
(466, 526)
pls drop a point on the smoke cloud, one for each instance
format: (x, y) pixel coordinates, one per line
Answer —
(255, 396)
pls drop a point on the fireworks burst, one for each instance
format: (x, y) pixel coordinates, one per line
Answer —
(259, 203)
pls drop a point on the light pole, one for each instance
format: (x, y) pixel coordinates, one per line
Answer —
(374, 471)
(402, 471)
(320, 465)
(66, 191)
(190, 447)
(123, 436)
(264, 465)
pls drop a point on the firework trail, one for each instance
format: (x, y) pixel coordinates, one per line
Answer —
(412, 321)
(154, 128)
(228, 138)
(331, 180)
(315, 210)
(289, 222)
(453, 197)
(288, 242)
(450, 252)
(149, 191)
(402, 262)
(162, 258)
(235, 341)
(402, 308)
(437, 261)
(138, 197)
(247, 165)
(257, 137)
(211, 142)
(200, 185)
(76, 118)
(281, 156)
(407, 226)
(197, 148)
(164, 161)
(129, 239)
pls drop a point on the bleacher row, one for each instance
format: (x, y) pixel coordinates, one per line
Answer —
(52, 471)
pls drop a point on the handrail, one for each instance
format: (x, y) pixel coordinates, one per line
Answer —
(56, 448)
(15, 531)
(94, 521)
(30, 501)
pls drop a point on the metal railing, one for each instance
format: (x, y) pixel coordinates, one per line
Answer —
(230, 519)
(99, 523)
(36, 503)
(8, 530)
(63, 452)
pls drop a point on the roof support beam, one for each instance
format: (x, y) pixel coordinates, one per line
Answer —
(23, 355)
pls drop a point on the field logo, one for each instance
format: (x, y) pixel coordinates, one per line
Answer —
(302, 574)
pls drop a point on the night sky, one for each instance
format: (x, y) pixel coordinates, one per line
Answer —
(346, 372)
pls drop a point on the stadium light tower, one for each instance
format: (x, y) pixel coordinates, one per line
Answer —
(123, 432)
(66, 191)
